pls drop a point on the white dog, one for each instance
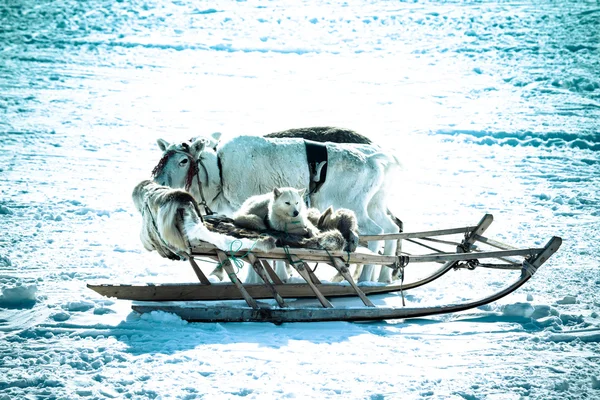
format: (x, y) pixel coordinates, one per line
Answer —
(282, 210)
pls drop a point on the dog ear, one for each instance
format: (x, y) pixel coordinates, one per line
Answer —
(216, 136)
(197, 147)
(276, 192)
(162, 144)
(301, 192)
(325, 218)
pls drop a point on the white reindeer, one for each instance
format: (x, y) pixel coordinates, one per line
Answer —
(224, 176)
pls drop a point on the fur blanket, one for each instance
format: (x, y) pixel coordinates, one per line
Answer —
(331, 240)
(171, 224)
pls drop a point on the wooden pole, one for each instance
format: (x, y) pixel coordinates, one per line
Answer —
(203, 279)
(301, 268)
(226, 264)
(261, 272)
(343, 270)
(267, 266)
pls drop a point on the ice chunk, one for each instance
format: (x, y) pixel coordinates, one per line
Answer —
(568, 300)
(518, 310)
(19, 296)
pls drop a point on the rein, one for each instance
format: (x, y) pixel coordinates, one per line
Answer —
(203, 203)
(192, 171)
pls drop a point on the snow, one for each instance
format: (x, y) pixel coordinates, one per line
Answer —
(14, 294)
(491, 106)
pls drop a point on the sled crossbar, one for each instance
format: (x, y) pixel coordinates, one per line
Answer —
(204, 313)
(418, 235)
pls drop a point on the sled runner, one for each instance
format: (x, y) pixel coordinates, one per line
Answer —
(220, 302)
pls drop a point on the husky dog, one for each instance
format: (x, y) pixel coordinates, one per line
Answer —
(171, 223)
(282, 210)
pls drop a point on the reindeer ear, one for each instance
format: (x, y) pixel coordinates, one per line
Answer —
(197, 147)
(216, 136)
(276, 192)
(162, 144)
(325, 217)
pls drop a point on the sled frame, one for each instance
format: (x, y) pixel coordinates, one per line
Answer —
(467, 255)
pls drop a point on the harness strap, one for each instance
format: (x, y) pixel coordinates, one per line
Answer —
(316, 156)
(204, 204)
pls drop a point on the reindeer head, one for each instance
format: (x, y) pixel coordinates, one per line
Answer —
(178, 165)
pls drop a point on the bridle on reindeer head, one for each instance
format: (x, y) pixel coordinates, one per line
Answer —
(191, 173)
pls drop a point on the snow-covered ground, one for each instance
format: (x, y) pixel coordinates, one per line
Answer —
(492, 107)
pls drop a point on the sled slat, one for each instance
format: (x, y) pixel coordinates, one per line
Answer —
(494, 243)
(302, 270)
(274, 277)
(343, 270)
(448, 242)
(203, 279)
(424, 245)
(226, 264)
(261, 272)
(417, 235)
(472, 256)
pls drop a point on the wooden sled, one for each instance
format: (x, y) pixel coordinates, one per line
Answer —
(467, 254)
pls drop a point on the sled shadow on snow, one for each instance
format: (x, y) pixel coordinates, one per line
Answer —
(147, 336)
(144, 337)
(167, 333)
(164, 333)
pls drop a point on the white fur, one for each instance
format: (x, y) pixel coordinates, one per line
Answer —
(171, 224)
(356, 179)
(283, 208)
(197, 232)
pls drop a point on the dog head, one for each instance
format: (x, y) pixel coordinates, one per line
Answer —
(288, 201)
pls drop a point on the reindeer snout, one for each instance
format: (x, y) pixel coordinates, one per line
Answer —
(296, 213)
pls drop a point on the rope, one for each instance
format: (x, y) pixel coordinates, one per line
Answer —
(529, 268)
(236, 261)
(286, 250)
(330, 257)
(207, 209)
